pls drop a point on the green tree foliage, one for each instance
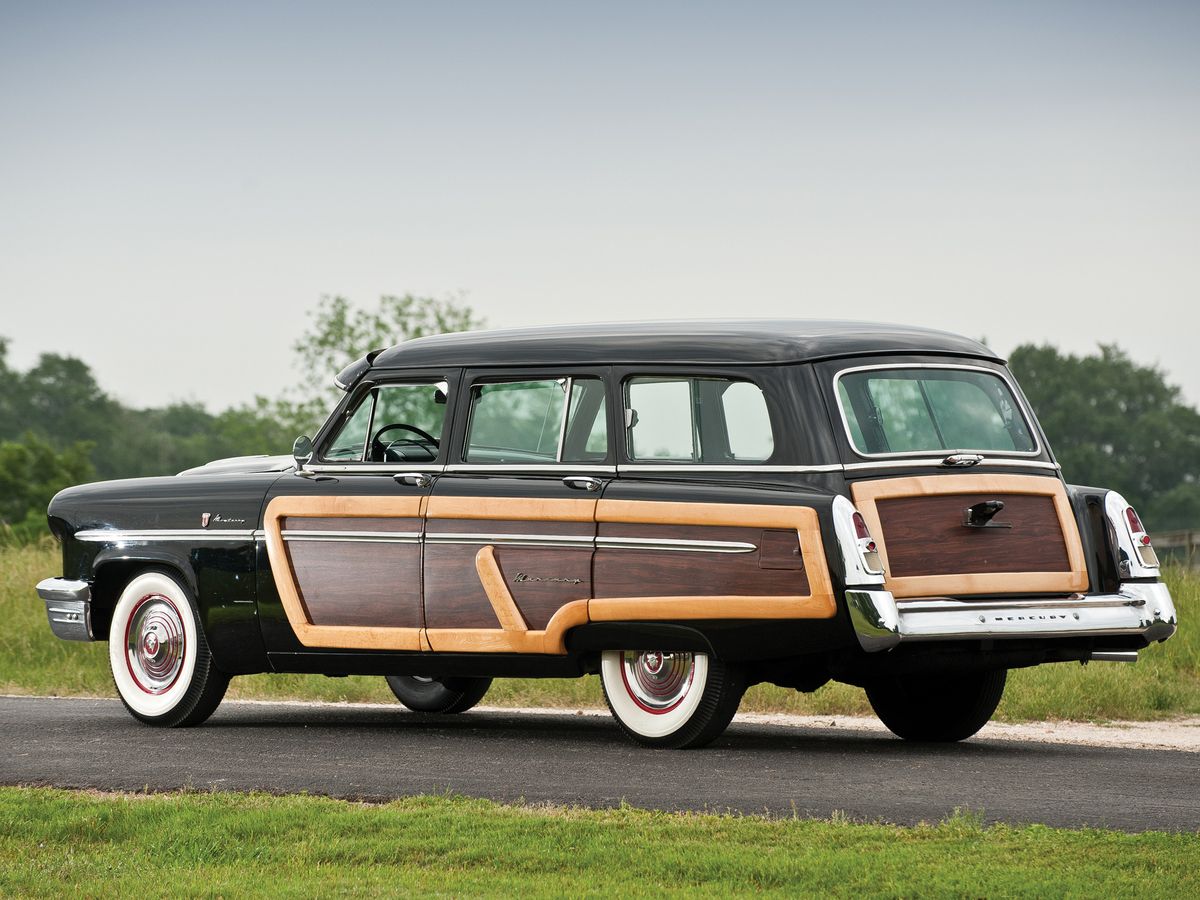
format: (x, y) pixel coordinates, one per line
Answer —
(31, 472)
(1116, 424)
(340, 333)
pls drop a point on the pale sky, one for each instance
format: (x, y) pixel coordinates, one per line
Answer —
(180, 184)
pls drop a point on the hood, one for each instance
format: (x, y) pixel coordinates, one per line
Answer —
(235, 465)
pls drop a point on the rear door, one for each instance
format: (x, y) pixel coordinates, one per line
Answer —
(510, 527)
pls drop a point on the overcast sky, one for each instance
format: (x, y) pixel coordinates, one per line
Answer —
(180, 184)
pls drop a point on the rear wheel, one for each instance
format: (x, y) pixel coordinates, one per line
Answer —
(670, 699)
(421, 693)
(160, 660)
(942, 707)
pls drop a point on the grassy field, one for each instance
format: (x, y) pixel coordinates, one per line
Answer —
(55, 843)
(1164, 683)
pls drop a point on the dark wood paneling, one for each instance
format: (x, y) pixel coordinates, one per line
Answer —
(926, 536)
(369, 584)
(539, 600)
(307, 523)
(780, 549)
(652, 573)
(454, 596)
(507, 526)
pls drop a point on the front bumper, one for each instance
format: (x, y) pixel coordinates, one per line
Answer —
(881, 622)
(68, 607)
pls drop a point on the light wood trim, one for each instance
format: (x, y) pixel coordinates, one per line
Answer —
(521, 509)
(866, 495)
(351, 637)
(497, 591)
(819, 603)
(491, 640)
(737, 606)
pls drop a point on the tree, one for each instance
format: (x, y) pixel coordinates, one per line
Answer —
(1113, 423)
(31, 473)
(341, 333)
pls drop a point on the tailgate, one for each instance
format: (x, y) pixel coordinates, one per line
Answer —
(928, 549)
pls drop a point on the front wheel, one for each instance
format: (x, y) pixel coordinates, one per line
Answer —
(421, 693)
(943, 707)
(160, 660)
(670, 699)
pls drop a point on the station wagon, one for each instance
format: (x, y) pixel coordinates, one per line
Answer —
(683, 508)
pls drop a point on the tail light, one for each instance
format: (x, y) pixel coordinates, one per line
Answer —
(860, 553)
(1141, 539)
(1136, 556)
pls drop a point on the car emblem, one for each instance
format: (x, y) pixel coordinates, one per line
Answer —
(204, 517)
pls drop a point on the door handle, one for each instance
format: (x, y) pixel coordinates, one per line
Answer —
(414, 479)
(583, 483)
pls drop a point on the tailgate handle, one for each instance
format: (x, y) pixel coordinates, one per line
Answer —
(980, 515)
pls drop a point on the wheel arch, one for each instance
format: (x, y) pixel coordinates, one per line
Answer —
(111, 571)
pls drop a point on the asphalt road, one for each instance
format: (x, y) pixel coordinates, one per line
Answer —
(378, 753)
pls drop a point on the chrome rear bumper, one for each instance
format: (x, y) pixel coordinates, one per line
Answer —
(68, 607)
(882, 622)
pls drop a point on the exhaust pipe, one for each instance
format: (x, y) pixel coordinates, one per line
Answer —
(1125, 656)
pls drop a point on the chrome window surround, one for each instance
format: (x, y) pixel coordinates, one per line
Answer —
(329, 466)
(941, 454)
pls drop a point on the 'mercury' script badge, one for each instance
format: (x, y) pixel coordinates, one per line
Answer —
(521, 576)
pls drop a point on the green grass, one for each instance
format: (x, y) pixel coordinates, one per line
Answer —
(1165, 682)
(60, 842)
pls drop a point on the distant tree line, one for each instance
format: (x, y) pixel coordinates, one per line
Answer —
(1111, 422)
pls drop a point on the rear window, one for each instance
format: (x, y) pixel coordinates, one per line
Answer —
(915, 409)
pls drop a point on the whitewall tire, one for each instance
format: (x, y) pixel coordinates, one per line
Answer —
(160, 660)
(670, 699)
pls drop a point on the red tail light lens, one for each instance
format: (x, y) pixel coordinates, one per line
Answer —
(1135, 523)
(860, 527)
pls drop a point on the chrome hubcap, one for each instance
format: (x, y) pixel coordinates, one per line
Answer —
(657, 681)
(154, 644)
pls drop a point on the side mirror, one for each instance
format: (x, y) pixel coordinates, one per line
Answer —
(302, 450)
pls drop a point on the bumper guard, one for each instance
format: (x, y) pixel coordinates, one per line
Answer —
(68, 607)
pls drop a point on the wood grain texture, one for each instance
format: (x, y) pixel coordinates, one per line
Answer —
(926, 536)
(359, 584)
(551, 640)
(943, 493)
(404, 524)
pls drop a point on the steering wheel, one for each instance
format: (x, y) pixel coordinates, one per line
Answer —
(427, 441)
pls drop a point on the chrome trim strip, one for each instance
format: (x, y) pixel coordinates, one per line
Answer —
(117, 536)
(549, 468)
(679, 545)
(373, 468)
(688, 467)
(374, 537)
(1001, 374)
(514, 540)
(1094, 602)
(937, 463)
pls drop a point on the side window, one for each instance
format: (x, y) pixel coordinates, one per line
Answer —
(393, 423)
(543, 421)
(697, 420)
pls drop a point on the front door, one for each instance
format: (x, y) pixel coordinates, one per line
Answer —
(344, 539)
(510, 528)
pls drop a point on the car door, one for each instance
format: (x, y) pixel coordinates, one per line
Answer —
(344, 535)
(510, 526)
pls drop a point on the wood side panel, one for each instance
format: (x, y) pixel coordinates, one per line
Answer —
(868, 495)
(495, 526)
(384, 589)
(926, 536)
(803, 593)
(454, 596)
(497, 591)
(354, 637)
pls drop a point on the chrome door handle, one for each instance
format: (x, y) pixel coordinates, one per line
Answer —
(583, 483)
(414, 479)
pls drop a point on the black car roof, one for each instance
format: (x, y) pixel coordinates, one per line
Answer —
(708, 342)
